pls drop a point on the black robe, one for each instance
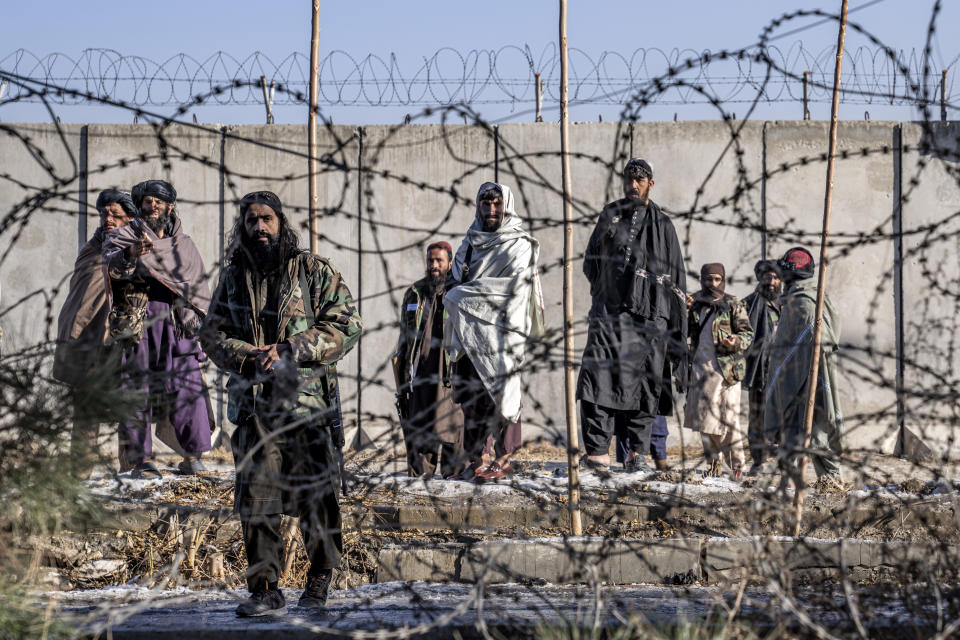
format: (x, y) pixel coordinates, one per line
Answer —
(637, 323)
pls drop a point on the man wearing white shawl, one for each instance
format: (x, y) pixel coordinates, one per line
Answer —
(493, 312)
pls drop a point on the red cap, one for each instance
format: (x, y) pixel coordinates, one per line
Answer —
(440, 244)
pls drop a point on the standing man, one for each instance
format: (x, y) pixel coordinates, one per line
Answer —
(159, 296)
(790, 354)
(495, 309)
(720, 333)
(82, 359)
(763, 308)
(280, 320)
(636, 340)
(431, 420)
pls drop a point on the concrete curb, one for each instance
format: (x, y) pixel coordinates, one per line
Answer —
(655, 560)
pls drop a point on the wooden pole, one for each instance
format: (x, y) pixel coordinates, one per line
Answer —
(314, 165)
(822, 277)
(570, 381)
(943, 96)
(538, 88)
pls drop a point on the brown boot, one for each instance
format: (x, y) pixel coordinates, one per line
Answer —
(661, 465)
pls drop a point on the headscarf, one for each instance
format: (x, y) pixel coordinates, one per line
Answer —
(713, 269)
(156, 188)
(115, 196)
(797, 264)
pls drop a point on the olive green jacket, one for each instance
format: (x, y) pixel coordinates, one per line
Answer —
(789, 366)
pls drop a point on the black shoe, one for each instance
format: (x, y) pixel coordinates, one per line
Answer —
(637, 464)
(263, 602)
(315, 595)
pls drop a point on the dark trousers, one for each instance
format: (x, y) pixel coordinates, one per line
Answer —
(599, 424)
(658, 439)
(292, 471)
(481, 416)
(759, 446)
(263, 543)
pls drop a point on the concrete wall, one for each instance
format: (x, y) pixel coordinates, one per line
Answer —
(385, 192)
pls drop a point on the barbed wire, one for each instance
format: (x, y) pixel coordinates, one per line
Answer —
(879, 555)
(449, 76)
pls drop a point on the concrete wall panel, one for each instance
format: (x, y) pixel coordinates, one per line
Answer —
(931, 273)
(39, 228)
(860, 276)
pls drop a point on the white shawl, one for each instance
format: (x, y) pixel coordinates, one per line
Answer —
(491, 317)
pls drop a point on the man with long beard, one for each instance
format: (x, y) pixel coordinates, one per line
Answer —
(280, 320)
(763, 308)
(82, 359)
(159, 296)
(492, 314)
(636, 340)
(430, 419)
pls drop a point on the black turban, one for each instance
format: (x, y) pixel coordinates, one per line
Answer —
(767, 266)
(637, 168)
(268, 198)
(156, 188)
(115, 196)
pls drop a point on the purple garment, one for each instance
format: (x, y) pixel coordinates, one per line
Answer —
(165, 370)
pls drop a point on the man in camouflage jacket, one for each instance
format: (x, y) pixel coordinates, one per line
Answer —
(720, 333)
(279, 322)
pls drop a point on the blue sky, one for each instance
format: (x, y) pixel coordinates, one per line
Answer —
(415, 30)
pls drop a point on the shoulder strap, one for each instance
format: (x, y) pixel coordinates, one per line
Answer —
(465, 269)
(305, 289)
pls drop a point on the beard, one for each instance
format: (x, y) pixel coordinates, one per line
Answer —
(771, 292)
(266, 255)
(436, 280)
(159, 223)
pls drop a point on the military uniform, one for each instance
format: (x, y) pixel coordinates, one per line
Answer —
(283, 447)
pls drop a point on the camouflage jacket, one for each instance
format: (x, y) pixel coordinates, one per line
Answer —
(232, 330)
(731, 319)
